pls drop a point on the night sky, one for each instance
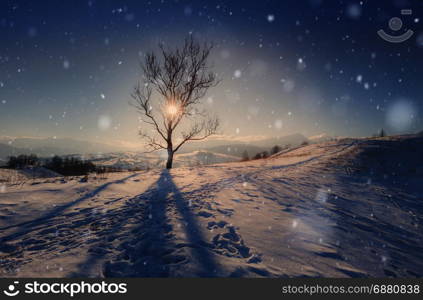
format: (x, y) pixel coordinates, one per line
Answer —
(305, 66)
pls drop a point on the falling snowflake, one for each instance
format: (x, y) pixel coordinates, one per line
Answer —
(32, 32)
(66, 64)
(401, 115)
(270, 18)
(278, 124)
(187, 11)
(237, 73)
(104, 122)
(354, 11)
(288, 86)
(301, 65)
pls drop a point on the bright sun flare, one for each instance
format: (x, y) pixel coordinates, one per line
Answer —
(172, 109)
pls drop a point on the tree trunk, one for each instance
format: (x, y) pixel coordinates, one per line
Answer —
(169, 162)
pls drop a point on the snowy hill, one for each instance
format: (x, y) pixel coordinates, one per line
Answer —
(345, 208)
(9, 176)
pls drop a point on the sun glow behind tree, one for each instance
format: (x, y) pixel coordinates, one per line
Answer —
(179, 79)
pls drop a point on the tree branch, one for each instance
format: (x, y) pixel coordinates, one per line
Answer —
(142, 97)
(208, 128)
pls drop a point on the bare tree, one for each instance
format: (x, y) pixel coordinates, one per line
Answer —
(173, 85)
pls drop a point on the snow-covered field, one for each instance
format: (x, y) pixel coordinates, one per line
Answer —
(344, 208)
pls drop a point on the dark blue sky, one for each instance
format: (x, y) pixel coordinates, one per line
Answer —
(311, 66)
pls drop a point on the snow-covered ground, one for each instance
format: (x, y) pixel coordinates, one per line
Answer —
(343, 208)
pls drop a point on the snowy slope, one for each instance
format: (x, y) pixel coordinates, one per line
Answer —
(337, 209)
(14, 176)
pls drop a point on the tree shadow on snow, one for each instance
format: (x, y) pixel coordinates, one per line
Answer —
(146, 242)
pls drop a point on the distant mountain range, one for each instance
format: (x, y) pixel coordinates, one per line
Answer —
(202, 158)
(47, 147)
(237, 148)
(320, 138)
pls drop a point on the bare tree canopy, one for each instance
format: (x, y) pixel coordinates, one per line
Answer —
(172, 87)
